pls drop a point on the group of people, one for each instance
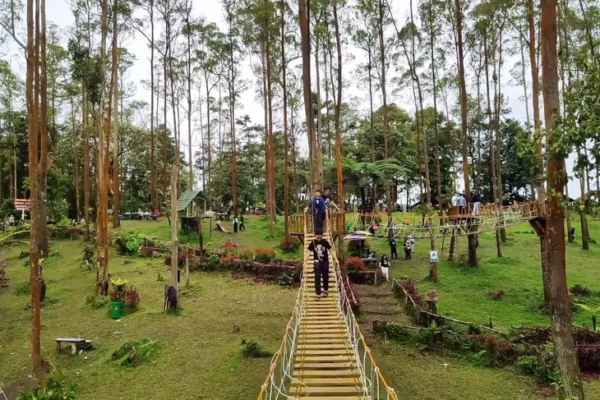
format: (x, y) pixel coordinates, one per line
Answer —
(238, 224)
(320, 247)
(409, 247)
(459, 200)
(318, 207)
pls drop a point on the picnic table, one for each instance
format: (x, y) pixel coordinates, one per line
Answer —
(370, 260)
(75, 343)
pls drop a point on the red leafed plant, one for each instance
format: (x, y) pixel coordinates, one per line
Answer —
(411, 290)
(227, 260)
(354, 264)
(496, 295)
(132, 297)
(289, 245)
(264, 256)
(147, 252)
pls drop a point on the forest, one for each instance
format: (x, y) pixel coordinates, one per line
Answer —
(258, 103)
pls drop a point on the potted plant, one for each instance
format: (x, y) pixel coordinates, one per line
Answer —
(116, 297)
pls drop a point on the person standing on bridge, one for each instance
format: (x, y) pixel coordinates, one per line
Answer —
(317, 209)
(320, 249)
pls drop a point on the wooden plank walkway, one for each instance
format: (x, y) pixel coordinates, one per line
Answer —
(325, 367)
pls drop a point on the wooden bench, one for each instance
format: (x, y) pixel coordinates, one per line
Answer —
(75, 343)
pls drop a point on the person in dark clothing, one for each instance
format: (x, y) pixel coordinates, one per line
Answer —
(235, 223)
(242, 226)
(320, 248)
(407, 249)
(317, 210)
(393, 249)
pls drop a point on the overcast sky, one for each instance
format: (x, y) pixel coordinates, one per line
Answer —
(59, 12)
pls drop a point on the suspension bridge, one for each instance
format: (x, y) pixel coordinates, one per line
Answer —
(323, 355)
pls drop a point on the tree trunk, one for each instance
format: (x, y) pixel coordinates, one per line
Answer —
(319, 146)
(75, 160)
(153, 199)
(499, 135)
(32, 98)
(286, 182)
(338, 108)
(535, 96)
(116, 173)
(189, 102)
(585, 233)
(175, 167)
(492, 143)
(231, 85)
(86, 165)
(386, 117)
(304, 18)
(165, 134)
(43, 126)
(473, 262)
(559, 304)
(270, 141)
(208, 142)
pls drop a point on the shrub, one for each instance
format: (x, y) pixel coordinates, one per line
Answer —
(88, 255)
(527, 364)
(543, 367)
(246, 256)
(588, 356)
(227, 261)
(210, 263)
(411, 289)
(119, 288)
(496, 295)
(55, 390)
(354, 264)
(22, 290)
(136, 352)
(289, 245)
(147, 252)
(97, 302)
(180, 260)
(131, 298)
(579, 290)
(252, 349)
(491, 347)
(264, 256)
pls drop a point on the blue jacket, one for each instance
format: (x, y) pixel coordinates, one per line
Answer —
(317, 208)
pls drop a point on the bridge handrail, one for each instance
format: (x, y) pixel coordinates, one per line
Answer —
(375, 382)
(286, 350)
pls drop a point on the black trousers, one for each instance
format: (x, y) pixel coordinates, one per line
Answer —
(318, 220)
(394, 253)
(321, 270)
(242, 226)
(408, 254)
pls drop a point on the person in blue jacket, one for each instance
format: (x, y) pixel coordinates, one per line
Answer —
(317, 210)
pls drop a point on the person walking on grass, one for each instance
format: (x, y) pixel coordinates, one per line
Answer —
(242, 226)
(317, 209)
(407, 250)
(393, 249)
(384, 265)
(235, 223)
(320, 249)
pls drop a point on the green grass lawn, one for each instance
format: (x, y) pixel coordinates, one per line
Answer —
(201, 354)
(463, 292)
(257, 234)
(201, 357)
